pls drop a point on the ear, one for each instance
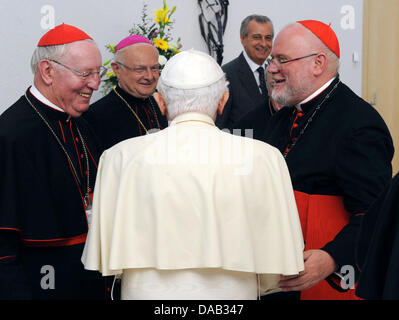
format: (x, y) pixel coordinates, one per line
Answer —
(46, 71)
(222, 102)
(242, 39)
(161, 102)
(320, 65)
(115, 68)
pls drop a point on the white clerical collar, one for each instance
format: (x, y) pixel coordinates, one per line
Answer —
(252, 65)
(37, 94)
(315, 94)
(192, 117)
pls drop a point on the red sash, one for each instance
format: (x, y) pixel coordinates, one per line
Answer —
(322, 217)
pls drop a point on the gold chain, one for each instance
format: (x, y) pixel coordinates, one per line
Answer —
(155, 113)
(310, 119)
(270, 106)
(135, 114)
(86, 199)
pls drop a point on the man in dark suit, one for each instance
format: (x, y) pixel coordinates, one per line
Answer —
(247, 81)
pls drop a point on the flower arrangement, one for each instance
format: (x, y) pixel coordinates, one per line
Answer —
(159, 32)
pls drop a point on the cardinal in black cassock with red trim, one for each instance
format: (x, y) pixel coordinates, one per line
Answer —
(338, 151)
(48, 166)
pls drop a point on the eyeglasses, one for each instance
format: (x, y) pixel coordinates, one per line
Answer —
(141, 70)
(279, 61)
(84, 74)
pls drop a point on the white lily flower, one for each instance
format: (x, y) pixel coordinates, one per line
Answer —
(162, 60)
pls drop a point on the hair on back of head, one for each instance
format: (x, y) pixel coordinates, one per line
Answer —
(203, 100)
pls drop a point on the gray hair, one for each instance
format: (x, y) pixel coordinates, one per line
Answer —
(333, 61)
(258, 18)
(49, 53)
(203, 100)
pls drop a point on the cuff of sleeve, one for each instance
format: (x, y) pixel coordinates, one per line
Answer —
(333, 250)
(345, 275)
(335, 280)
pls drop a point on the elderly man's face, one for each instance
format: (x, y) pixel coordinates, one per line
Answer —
(71, 91)
(141, 81)
(259, 41)
(293, 80)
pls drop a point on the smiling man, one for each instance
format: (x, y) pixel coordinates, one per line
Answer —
(48, 165)
(246, 73)
(129, 110)
(338, 151)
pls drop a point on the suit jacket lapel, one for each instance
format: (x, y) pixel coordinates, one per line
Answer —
(247, 78)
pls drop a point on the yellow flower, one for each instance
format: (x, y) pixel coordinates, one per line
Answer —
(110, 74)
(161, 15)
(161, 44)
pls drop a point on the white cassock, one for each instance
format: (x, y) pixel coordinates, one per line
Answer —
(192, 212)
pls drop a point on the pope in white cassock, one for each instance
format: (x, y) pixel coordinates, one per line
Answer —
(192, 212)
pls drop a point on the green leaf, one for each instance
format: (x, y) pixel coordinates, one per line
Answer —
(173, 10)
(107, 62)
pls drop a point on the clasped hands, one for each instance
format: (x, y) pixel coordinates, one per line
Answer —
(318, 266)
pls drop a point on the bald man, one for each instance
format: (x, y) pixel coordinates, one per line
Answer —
(129, 110)
(338, 151)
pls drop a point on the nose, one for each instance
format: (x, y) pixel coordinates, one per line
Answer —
(272, 68)
(94, 81)
(149, 75)
(263, 42)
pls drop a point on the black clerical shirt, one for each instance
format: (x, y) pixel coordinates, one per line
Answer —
(113, 121)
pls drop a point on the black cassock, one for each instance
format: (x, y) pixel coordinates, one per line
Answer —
(378, 247)
(43, 223)
(337, 146)
(113, 121)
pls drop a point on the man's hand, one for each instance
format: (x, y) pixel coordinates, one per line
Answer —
(318, 266)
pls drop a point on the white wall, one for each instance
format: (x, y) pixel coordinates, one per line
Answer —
(23, 22)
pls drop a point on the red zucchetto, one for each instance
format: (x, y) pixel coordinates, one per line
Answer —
(62, 34)
(324, 32)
